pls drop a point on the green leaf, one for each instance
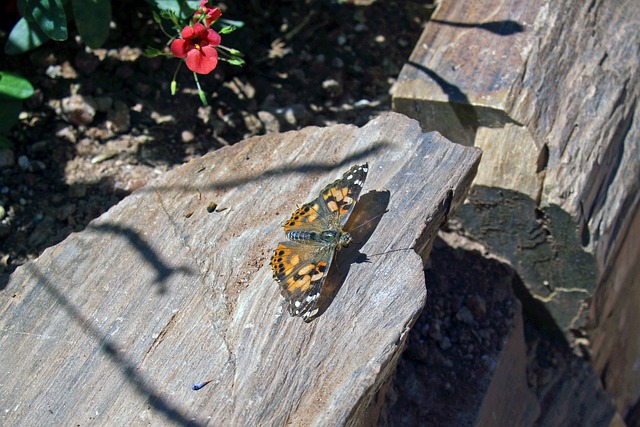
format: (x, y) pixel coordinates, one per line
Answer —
(24, 36)
(15, 86)
(231, 22)
(9, 112)
(92, 20)
(203, 97)
(184, 9)
(234, 52)
(50, 17)
(171, 16)
(236, 61)
(156, 17)
(152, 52)
(227, 30)
(168, 14)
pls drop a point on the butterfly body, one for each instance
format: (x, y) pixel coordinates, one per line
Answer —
(314, 232)
(332, 238)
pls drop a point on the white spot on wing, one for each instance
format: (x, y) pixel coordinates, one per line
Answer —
(308, 315)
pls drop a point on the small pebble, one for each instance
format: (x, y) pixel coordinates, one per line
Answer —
(78, 110)
(464, 315)
(333, 87)
(445, 343)
(269, 121)
(337, 62)
(362, 103)
(187, 136)
(24, 163)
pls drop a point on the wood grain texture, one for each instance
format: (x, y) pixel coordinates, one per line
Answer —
(113, 325)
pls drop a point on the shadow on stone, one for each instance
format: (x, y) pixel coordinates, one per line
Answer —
(366, 216)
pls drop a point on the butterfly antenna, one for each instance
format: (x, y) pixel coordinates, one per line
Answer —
(390, 251)
(368, 221)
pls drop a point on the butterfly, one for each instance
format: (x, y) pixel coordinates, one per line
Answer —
(301, 264)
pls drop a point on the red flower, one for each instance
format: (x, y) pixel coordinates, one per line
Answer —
(212, 13)
(198, 46)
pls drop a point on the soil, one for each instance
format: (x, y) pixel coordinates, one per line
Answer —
(103, 123)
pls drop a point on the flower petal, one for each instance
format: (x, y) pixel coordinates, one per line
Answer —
(199, 31)
(178, 48)
(210, 14)
(202, 61)
(187, 32)
(213, 37)
(214, 14)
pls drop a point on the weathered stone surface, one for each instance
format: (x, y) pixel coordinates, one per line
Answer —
(549, 91)
(475, 357)
(615, 346)
(113, 325)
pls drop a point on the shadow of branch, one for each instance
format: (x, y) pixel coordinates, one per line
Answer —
(163, 270)
(365, 218)
(129, 369)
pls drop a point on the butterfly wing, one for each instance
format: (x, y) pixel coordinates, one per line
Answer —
(301, 268)
(308, 217)
(340, 197)
(332, 207)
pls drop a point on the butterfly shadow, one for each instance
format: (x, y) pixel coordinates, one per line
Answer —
(363, 221)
